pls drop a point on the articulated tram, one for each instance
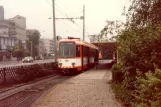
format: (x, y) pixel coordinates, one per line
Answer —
(75, 55)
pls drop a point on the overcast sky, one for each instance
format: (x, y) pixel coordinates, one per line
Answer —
(37, 13)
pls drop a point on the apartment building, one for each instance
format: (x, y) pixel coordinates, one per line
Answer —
(93, 38)
(7, 38)
(1, 13)
(48, 45)
(42, 48)
(20, 23)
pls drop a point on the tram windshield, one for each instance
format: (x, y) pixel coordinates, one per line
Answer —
(67, 50)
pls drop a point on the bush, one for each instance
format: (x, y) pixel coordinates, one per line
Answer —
(29, 73)
(148, 89)
(25, 74)
(117, 75)
(118, 90)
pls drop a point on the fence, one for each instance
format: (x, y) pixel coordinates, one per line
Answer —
(26, 72)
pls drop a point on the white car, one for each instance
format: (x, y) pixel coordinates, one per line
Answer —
(28, 59)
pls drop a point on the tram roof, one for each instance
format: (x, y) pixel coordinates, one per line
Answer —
(79, 42)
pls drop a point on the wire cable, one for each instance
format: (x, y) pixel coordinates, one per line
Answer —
(64, 14)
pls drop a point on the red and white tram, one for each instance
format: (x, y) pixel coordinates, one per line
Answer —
(76, 55)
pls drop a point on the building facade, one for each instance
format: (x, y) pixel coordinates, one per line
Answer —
(48, 46)
(93, 38)
(20, 23)
(1, 13)
(96, 38)
(42, 49)
(8, 38)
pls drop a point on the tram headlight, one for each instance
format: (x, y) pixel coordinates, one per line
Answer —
(73, 63)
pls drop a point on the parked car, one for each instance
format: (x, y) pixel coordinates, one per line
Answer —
(28, 59)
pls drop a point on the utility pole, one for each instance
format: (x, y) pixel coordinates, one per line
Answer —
(83, 22)
(54, 31)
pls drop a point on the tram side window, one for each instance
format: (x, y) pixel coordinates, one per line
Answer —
(77, 50)
(85, 51)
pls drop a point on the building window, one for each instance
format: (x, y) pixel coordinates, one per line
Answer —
(85, 51)
(2, 41)
(9, 42)
(6, 41)
(12, 42)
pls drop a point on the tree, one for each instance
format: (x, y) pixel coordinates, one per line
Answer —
(142, 35)
(139, 46)
(18, 50)
(33, 40)
(144, 12)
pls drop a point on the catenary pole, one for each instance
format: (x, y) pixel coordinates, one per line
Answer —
(54, 31)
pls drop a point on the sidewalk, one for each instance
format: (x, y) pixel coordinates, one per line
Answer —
(88, 89)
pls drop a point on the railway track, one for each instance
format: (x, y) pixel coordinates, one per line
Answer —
(25, 95)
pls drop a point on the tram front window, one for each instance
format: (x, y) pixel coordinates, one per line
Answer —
(67, 50)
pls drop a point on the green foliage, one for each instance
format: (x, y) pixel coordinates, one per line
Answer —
(117, 75)
(33, 40)
(144, 12)
(19, 53)
(148, 90)
(26, 53)
(139, 49)
(118, 90)
(29, 73)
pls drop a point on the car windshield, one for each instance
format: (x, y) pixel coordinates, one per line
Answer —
(67, 50)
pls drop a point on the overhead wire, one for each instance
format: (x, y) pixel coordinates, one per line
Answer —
(68, 17)
(64, 14)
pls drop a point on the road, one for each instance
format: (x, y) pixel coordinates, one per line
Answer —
(20, 63)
